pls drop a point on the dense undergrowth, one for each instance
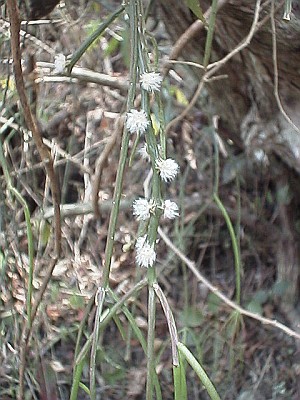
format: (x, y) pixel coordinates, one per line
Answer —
(80, 120)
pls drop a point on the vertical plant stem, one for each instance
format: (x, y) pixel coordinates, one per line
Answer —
(150, 337)
(233, 236)
(99, 299)
(117, 192)
(76, 379)
(94, 36)
(210, 32)
(207, 383)
(235, 247)
(124, 149)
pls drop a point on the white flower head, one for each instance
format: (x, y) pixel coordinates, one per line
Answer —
(151, 81)
(171, 209)
(137, 121)
(142, 209)
(145, 253)
(143, 152)
(59, 63)
(168, 169)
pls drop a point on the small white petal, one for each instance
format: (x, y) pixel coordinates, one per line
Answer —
(151, 81)
(141, 209)
(171, 209)
(140, 242)
(143, 152)
(168, 169)
(59, 63)
(137, 121)
(145, 253)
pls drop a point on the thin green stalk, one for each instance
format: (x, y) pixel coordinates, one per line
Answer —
(118, 184)
(124, 149)
(76, 379)
(235, 247)
(207, 383)
(156, 196)
(24, 205)
(233, 236)
(180, 389)
(210, 33)
(287, 10)
(94, 36)
(142, 341)
(150, 339)
(99, 303)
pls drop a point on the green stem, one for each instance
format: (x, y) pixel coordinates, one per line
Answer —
(207, 383)
(235, 247)
(210, 33)
(124, 149)
(150, 338)
(94, 36)
(117, 193)
(76, 379)
(99, 304)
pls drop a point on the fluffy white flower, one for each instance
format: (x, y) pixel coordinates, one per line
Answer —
(59, 63)
(143, 152)
(145, 253)
(151, 81)
(171, 209)
(168, 169)
(142, 209)
(137, 121)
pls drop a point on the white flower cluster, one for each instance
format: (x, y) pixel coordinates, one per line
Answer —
(138, 122)
(142, 208)
(168, 169)
(151, 81)
(145, 253)
(171, 209)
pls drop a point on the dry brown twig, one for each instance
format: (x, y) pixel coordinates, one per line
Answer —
(214, 67)
(101, 163)
(192, 31)
(275, 67)
(191, 265)
(45, 156)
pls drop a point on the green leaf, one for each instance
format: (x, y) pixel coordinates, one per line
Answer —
(112, 47)
(45, 231)
(194, 6)
(213, 303)
(255, 307)
(191, 317)
(155, 124)
(180, 96)
(261, 296)
(76, 301)
(284, 195)
(280, 288)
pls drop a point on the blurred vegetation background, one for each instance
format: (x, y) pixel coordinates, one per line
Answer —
(244, 126)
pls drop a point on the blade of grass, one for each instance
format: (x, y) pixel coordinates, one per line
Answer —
(94, 36)
(207, 383)
(30, 246)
